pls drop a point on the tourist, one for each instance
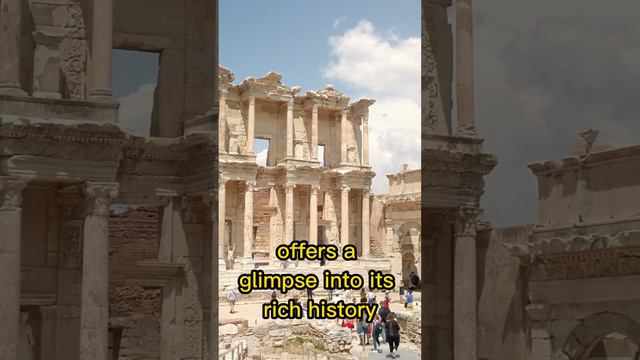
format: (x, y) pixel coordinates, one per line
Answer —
(383, 312)
(363, 295)
(408, 303)
(309, 294)
(361, 330)
(371, 297)
(376, 332)
(232, 297)
(401, 289)
(387, 299)
(348, 323)
(415, 281)
(393, 334)
(231, 256)
(367, 326)
(274, 295)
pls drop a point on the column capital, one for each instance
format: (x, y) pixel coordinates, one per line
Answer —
(345, 189)
(250, 184)
(252, 99)
(290, 103)
(315, 189)
(98, 196)
(467, 219)
(11, 192)
(344, 112)
(289, 186)
(222, 180)
(366, 192)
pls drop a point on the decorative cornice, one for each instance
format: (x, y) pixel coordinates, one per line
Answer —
(443, 161)
(574, 244)
(402, 198)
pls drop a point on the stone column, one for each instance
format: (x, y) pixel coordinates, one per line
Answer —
(247, 246)
(344, 214)
(313, 215)
(10, 245)
(314, 132)
(101, 45)
(464, 285)
(365, 139)
(273, 226)
(343, 137)
(251, 120)
(290, 128)
(222, 199)
(288, 217)
(94, 312)
(366, 246)
(212, 200)
(464, 66)
(10, 18)
(222, 121)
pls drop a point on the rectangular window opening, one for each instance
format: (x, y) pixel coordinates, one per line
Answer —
(261, 149)
(321, 154)
(134, 77)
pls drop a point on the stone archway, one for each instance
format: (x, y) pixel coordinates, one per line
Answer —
(402, 230)
(585, 337)
(408, 237)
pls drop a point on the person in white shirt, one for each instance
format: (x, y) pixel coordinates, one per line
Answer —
(232, 297)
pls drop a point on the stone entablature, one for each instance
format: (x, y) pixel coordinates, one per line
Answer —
(46, 151)
(592, 188)
(295, 125)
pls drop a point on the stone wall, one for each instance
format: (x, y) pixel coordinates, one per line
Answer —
(136, 311)
(133, 236)
(133, 233)
(503, 326)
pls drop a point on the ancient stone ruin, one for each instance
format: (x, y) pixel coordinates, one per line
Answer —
(106, 236)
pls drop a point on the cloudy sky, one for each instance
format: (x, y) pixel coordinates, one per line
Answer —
(365, 48)
(545, 70)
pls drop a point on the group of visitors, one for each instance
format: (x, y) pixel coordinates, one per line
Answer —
(385, 328)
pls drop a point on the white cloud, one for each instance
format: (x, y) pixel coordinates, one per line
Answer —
(339, 21)
(384, 67)
(135, 110)
(261, 157)
(382, 64)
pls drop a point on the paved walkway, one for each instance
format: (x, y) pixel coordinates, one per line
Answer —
(404, 352)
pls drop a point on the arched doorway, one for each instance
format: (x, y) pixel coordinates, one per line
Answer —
(409, 246)
(613, 346)
(603, 336)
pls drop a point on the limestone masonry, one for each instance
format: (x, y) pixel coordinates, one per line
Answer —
(105, 237)
(564, 288)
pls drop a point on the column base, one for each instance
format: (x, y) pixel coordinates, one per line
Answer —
(247, 263)
(466, 131)
(102, 95)
(12, 90)
(47, 95)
